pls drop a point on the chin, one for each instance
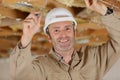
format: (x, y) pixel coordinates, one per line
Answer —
(65, 49)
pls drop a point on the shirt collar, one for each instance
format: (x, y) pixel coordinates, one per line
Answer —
(58, 57)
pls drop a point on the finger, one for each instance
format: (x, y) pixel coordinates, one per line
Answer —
(37, 14)
(29, 23)
(39, 22)
(30, 17)
(91, 2)
(33, 21)
(38, 17)
(29, 20)
(33, 17)
(87, 3)
(95, 1)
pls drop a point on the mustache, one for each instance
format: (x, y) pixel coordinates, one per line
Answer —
(62, 38)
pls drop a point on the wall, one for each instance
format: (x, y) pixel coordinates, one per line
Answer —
(4, 69)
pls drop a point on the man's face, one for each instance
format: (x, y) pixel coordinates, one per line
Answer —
(62, 35)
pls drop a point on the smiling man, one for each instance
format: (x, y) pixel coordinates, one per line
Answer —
(63, 62)
(62, 37)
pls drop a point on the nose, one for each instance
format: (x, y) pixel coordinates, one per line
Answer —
(63, 33)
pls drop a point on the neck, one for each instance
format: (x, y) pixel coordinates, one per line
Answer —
(66, 54)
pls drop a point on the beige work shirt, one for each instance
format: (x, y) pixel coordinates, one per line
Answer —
(89, 63)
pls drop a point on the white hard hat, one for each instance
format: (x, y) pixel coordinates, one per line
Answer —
(58, 15)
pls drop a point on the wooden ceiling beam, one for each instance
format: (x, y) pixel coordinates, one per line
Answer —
(9, 33)
(11, 13)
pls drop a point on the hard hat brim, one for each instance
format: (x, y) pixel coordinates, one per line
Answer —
(54, 20)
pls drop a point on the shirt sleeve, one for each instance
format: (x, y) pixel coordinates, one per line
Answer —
(109, 53)
(23, 65)
(112, 24)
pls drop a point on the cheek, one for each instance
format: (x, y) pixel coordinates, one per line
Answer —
(52, 38)
(72, 34)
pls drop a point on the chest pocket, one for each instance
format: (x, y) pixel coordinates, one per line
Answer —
(57, 76)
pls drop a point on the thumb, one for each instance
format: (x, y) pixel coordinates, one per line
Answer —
(90, 2)
(87, 3)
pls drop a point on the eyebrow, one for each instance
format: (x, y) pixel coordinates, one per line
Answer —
(68, 25)
(56, 27)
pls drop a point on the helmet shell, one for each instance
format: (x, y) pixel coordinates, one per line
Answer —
(58, 15)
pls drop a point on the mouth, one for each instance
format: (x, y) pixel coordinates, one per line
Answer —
(64, 41)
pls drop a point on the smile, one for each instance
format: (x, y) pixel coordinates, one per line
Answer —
(63, 41)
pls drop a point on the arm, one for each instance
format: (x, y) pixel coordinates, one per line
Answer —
(20, 58)
(109, 53)
(22, 64)
(111, 22)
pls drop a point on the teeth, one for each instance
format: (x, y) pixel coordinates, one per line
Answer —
(63, 40)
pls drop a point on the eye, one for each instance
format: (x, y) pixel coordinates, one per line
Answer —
(56, 31)
(68, 28)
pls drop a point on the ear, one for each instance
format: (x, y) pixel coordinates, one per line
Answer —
(75, 33)
(49, 38)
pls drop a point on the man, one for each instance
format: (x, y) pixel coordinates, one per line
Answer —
(63, 62)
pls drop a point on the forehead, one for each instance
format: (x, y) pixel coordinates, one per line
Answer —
(59, 24)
